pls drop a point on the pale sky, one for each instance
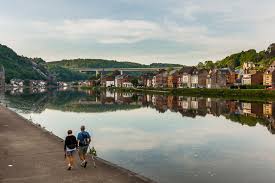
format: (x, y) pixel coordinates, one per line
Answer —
(172, 31)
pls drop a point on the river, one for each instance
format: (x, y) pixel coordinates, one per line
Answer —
(166, 138)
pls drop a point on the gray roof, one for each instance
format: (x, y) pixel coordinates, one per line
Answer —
(187, 69)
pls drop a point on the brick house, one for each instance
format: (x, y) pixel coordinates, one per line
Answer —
(184, 77)
(146, 80)
(198, 78)
(269, 76)
(2, 78)
(252, 77)
(215, 79)
(160, 79)
(172, 79)
(230, 76)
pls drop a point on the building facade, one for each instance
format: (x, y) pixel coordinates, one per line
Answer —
(161, 79)
(172, 79)
(184, 77)
(122, 79)
(198, 78)
(215, 79)
(108, 81)
(252, 77)
(269, 76)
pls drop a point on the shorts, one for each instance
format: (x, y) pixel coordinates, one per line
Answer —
(83, 149)
(70, 152)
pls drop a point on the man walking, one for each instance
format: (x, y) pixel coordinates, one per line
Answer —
(83, 139)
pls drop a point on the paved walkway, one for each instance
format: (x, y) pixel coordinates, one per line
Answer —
(30, 154)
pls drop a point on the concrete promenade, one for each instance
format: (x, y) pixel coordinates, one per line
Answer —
(30, 154)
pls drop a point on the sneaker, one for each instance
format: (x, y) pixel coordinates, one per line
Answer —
(82, 163)
(85, 164)
(69, 168)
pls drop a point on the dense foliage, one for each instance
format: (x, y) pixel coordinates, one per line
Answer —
(95, 63)
(100, 63)
(262, 59)
(18, 66)
(164, 65)
(64, 74)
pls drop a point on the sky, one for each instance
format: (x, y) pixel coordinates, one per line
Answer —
(170, 31)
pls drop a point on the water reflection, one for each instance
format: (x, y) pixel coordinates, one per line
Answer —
(89, 101)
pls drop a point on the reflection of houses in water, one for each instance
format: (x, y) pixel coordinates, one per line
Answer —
(154, 100)
(238, 111)
(38, 90)
(123, 98)
(161, 103)
(215, 106)
(172, 103)
(16, 91)
(268, 109)
(269, 114)
(246, 108)
(252, 109)
(271, 127)
(256, 109)
(184, 102)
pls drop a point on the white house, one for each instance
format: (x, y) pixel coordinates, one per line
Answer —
(127, 85)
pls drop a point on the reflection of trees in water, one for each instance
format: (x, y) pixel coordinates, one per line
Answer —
(245, 113)
(70, 100)
(26, 102)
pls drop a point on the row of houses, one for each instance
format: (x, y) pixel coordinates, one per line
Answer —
(192, 77)
(123, 80)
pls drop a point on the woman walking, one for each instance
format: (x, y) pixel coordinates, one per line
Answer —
(70, 148)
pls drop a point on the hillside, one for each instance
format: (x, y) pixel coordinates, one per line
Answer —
(263, 59)
(100, 63)
(20, 67)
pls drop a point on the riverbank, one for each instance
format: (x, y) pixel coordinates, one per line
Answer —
(31, 154)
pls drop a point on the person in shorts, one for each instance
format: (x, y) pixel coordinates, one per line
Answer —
(84, 140)
(70, 146)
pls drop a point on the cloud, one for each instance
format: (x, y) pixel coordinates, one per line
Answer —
(209, 29)
(109, 31)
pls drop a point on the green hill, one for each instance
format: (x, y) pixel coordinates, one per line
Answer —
(263, 59)
(100, 63)
(20, 67)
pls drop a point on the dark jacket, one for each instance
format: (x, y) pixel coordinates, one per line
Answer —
(70, 142)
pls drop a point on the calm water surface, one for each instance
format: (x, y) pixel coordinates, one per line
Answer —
(166, 138)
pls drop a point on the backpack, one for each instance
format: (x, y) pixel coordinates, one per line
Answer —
(85, 141)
